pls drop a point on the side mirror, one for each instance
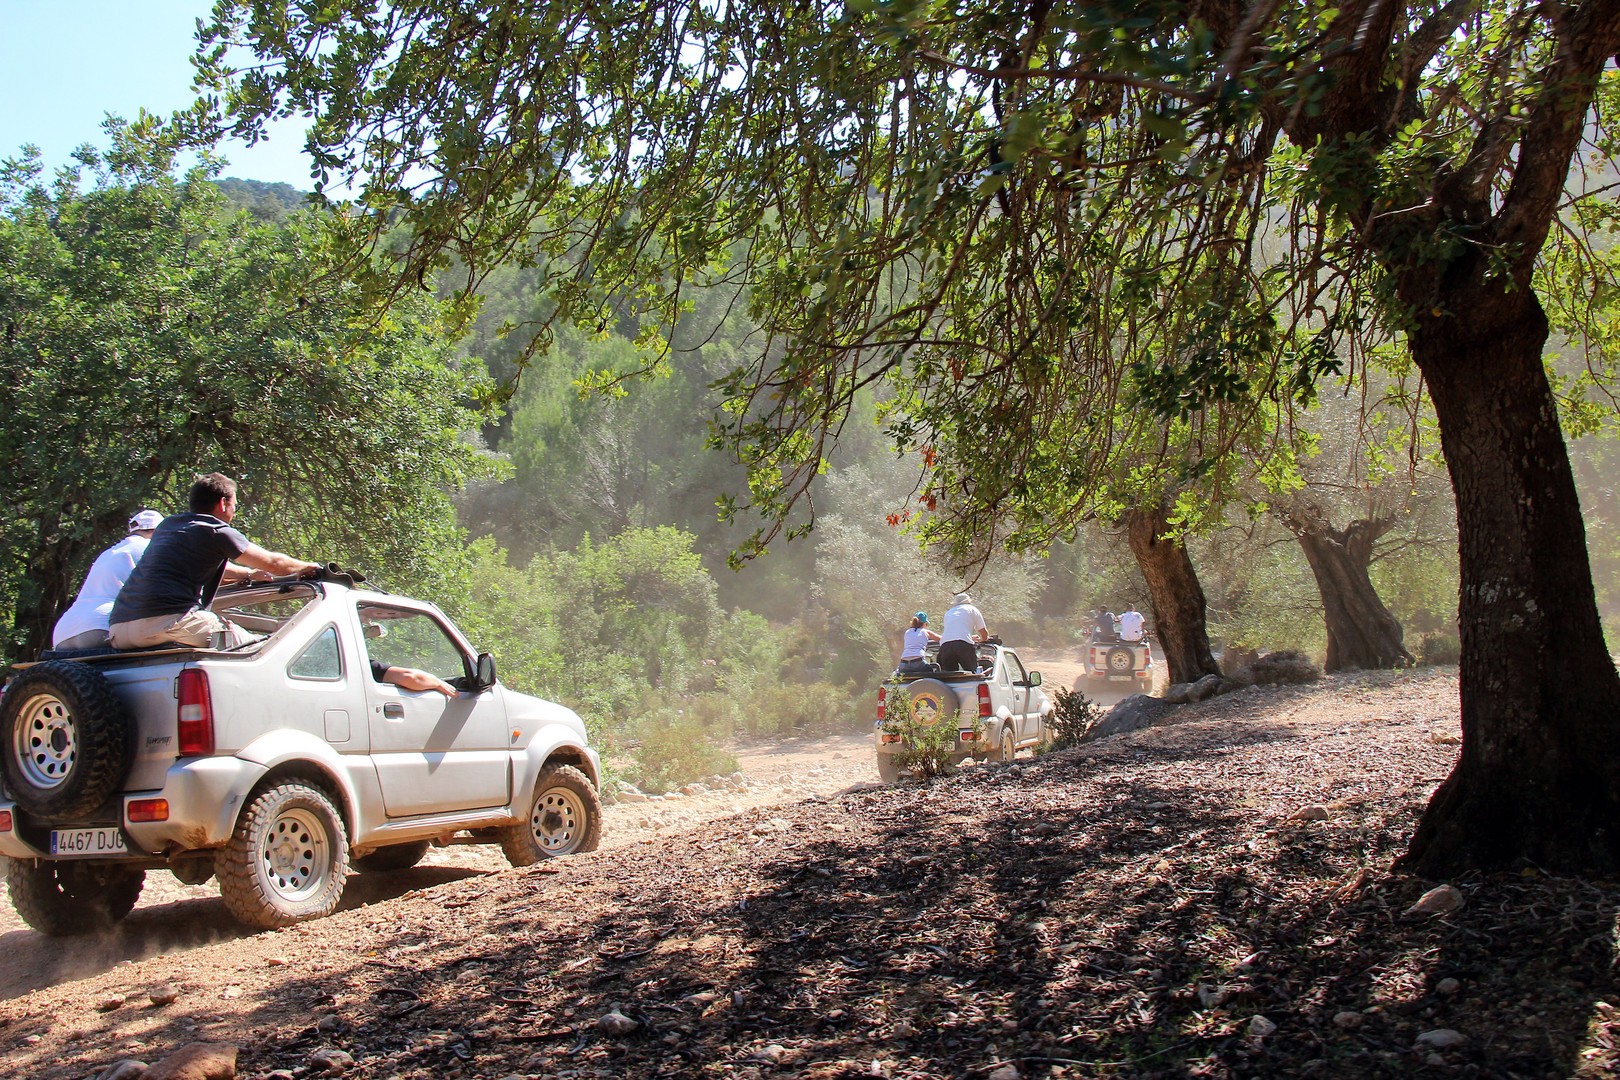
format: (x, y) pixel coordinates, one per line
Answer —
(1034, 678)
(486, 670)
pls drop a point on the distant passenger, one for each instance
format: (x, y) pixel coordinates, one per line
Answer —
(918, 638)
(1130, 625)
(963, 625)
(84, 624)
(167, 595)
(1102, 626)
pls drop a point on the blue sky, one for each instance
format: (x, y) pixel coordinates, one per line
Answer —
(65, 64)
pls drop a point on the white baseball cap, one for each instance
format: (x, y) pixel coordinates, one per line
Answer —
(146, 519)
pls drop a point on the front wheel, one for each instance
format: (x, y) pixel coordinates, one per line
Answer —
(286, 859)
(62, 899)
(565, 817)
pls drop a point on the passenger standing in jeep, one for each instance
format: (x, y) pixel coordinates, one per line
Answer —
(167, 595)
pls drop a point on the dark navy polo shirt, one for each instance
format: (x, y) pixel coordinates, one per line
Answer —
(181, 569)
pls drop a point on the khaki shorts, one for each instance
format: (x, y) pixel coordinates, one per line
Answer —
(192, 628)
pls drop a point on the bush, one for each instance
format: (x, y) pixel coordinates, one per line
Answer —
(1439, 649)
(1072, 714)
(927, 748)
(677, 749)
(808, 708)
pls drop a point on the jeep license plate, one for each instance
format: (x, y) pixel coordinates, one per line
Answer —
(88, 842)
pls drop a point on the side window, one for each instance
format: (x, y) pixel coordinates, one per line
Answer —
(1015, 670)
(411, 639)
(321, 660)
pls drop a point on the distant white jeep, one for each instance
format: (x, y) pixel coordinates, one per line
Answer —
(279, 764)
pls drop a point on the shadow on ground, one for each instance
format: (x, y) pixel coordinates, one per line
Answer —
(34, 961)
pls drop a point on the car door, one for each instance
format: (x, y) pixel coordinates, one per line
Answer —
(1017, 695)
(433, 754)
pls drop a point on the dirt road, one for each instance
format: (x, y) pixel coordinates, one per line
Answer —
(172, 917)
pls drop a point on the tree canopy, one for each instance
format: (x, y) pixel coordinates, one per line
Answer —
(149, 335)
(1060, 234)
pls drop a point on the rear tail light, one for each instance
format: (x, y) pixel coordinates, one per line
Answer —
(984, 699)
(196, 714)
(147, 810)
(882, 695)
(5, 820)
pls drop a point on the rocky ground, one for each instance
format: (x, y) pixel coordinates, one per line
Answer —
(1209, 898)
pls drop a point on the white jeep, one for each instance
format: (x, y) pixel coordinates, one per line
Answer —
(276, 765)
(995, 710)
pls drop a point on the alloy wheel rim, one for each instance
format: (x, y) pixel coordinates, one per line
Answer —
(46, 741)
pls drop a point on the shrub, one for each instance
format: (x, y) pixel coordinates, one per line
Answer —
(1072, 714)
(927, 748)
(1439, 649)
(677, 749)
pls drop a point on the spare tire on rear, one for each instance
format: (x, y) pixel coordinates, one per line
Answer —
(65, 740)
(932, 701)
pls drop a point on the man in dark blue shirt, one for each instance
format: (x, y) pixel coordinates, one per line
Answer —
(167, 595)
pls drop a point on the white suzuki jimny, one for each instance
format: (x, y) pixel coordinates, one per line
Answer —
(276, 765)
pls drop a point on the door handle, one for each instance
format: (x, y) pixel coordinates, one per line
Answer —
(393, 710)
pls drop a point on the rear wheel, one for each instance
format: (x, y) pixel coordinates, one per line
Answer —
(1007, 748)
(287, 858)
(564, 817)
(66, 898)
(889, 770)
(393, 857)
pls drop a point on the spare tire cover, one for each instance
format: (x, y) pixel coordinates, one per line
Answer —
(1120, 660)
(932, 701)
(65, 740)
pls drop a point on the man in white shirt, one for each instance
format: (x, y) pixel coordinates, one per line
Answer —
(1130, 625)
(84, 624)
(963, 625)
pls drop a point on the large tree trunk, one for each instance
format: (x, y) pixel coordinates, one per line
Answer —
(1539, 774)
(1361, 633)
(1178, 599)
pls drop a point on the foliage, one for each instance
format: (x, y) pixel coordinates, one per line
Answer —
(676, 749)
(150, 335)
(872, 573)
(1073, 714)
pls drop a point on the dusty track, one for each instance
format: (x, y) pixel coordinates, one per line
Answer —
(172, 917)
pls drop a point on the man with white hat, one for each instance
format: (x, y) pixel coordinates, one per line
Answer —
(963, 625)
(84, 624)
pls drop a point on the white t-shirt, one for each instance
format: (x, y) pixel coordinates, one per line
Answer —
(1130, 625)
(89, 611)
(916, 642)
(960, 623)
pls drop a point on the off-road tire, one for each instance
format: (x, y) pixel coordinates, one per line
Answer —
(1119, 660)
(392, 857)
(287, 858)
(889, 770)
(564, 818)
(66, 898)
(65, 740)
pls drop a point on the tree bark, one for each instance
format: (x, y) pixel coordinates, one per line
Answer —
(1178, 599)
(1539, 774)
(1361, 633)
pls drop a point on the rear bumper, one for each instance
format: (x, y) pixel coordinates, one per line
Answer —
(204, 796)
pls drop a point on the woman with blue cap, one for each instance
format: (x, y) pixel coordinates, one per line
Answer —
(918, 637)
